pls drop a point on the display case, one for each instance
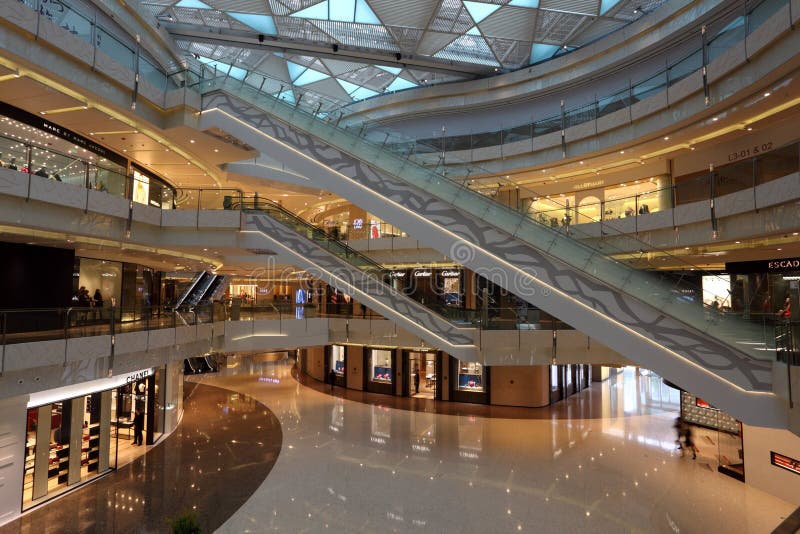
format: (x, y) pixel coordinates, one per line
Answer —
(382, 374)
(337, 359)
(470, 377)
(381, 364)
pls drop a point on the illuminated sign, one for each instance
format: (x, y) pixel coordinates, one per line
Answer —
(358, 224)
(397, 274)
(450, 274)
(135, 377)
(763, 266)
(422, 274)
(784, 462)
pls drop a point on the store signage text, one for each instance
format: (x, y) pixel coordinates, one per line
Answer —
(422, 274)
(763, 266)
(135, 377)
(397, 274)
(783, 264)
(450, 274)
(589, 185)
(358, 224)
(750, 151)
(785, 462)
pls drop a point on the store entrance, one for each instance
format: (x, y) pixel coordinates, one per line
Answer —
(421, 377)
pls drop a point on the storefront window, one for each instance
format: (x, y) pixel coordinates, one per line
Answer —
(422, 366)
(381, 361)
(470, 376)
(93, 276)
(337, 359)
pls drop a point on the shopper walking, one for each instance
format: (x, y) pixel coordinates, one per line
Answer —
(416, 380)
(332, 378)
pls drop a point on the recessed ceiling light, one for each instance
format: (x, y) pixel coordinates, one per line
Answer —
(767, 94)
(191, 140)
(666, 138)
(738, 242)
(621, 151)
(216, 150)
(749, 128)
(580, 162)
(715, 119)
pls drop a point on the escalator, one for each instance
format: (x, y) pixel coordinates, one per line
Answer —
(641, 315)
(202, 289)
(215, 290)
(300, 243)
(192, 290)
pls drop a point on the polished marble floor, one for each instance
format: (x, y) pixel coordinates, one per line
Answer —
(355, 465)
(223, 450)
(262, 452)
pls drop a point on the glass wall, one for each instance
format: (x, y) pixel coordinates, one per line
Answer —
(470, 377)
(380, 366)
(27, 148)
(99, 282)
(422, 371)
(337, 359)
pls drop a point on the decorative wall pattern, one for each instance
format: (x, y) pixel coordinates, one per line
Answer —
(515, 265)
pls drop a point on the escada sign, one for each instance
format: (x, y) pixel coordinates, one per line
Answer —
(764, 266)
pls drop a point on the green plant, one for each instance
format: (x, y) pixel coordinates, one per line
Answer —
(186, 523)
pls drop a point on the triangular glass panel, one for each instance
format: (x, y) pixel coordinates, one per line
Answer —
(399, 84)
(288, 96)
(317, 11)
(295, 70)
(479, 11)
(541, 52)
(362, 92)
(473, 31)
(261, 23)
(605, 5)
(364, 13)
(310, 76)
(196, 4)
(393, 70)
(349, 87)
(524, 3)
(341, 10)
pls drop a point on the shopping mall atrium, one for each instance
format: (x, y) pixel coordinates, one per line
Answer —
(384, 265)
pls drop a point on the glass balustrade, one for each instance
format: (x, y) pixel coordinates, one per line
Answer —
(660, 291)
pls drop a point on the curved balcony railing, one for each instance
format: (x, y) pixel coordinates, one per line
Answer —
(661, 290)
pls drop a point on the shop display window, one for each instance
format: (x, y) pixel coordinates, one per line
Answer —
(470, 376)
(381, 361)
(337, 359)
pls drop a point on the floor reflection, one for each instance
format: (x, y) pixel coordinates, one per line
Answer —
(604, 461)
(225, 447)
